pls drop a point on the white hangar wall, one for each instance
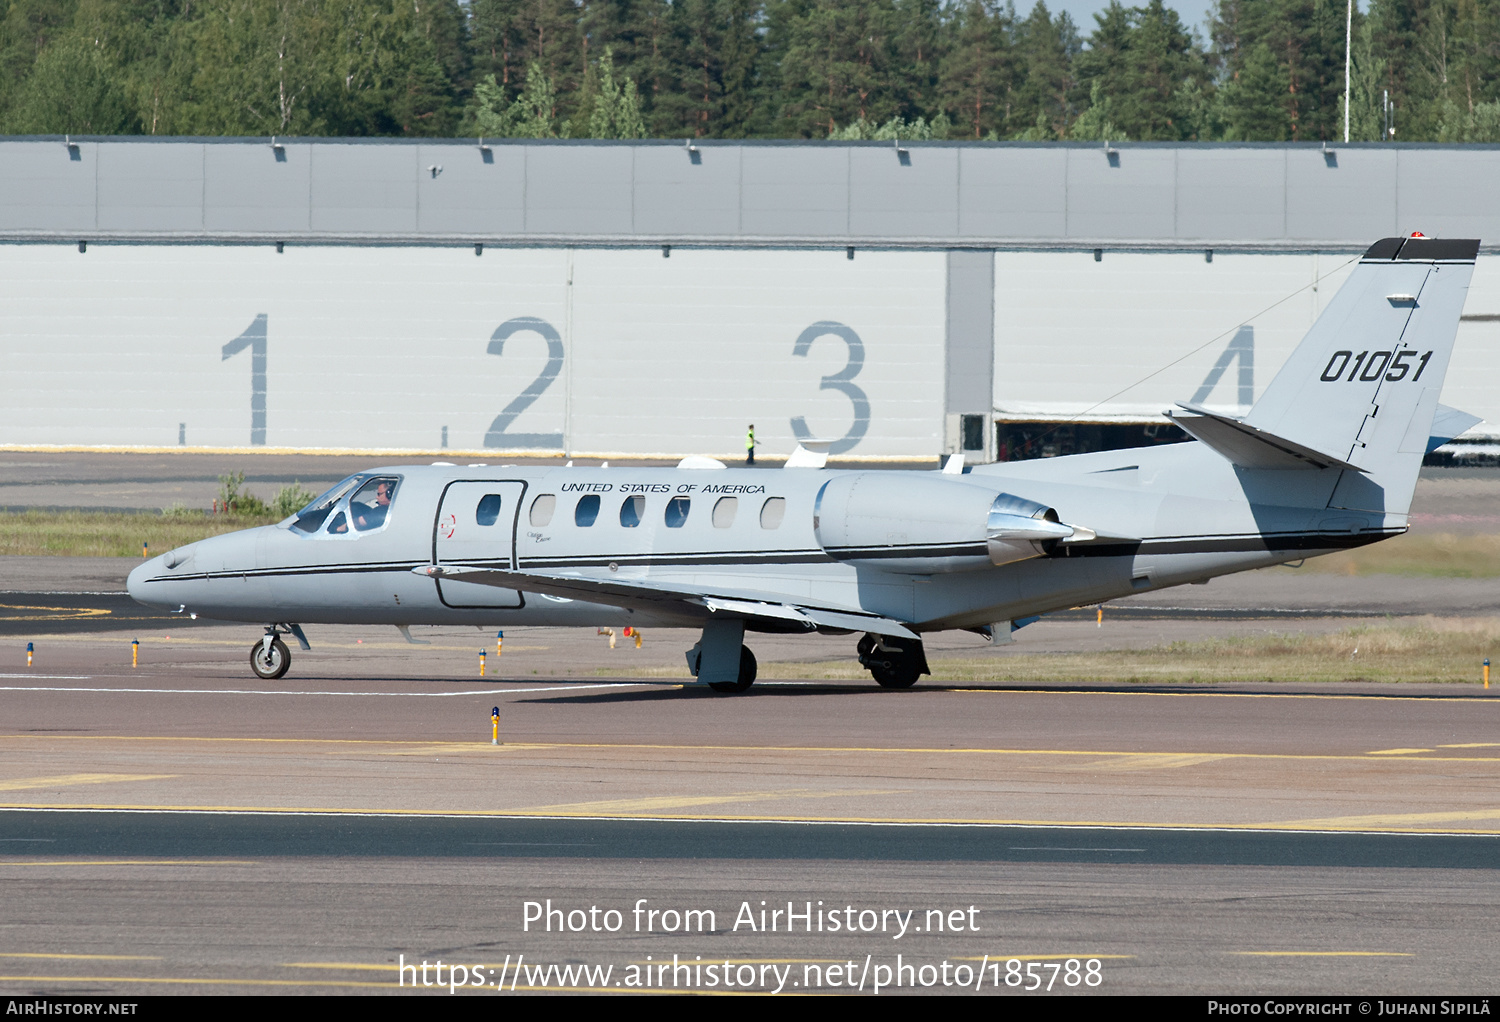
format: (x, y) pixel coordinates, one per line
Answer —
(974, 289)
(1129, 336)
(602, 351)
(625, 352)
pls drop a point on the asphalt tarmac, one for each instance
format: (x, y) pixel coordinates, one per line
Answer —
(178, 827)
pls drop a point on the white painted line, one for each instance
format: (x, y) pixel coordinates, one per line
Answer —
(52, 677)
(284, 692)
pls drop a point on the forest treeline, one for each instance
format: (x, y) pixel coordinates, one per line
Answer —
(1267, 70)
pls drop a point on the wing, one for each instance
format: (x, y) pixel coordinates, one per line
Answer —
(643, 595)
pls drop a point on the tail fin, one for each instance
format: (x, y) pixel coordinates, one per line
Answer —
(1362, 387)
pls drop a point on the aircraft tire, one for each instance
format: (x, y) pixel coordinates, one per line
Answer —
(272, 665)
(899, 676)
(896, 666)
(746, 678)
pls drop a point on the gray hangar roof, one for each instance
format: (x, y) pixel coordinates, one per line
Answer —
(586, 193)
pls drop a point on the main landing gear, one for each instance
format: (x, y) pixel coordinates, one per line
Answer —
(894, 663)
(721, 658)
(746, 677)
(270, 658)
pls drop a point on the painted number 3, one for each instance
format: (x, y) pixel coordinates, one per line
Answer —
(841, 381)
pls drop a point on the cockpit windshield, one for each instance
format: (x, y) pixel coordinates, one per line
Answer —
(366, 509)
(310, 518)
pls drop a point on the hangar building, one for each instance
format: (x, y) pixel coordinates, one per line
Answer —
(653, 299)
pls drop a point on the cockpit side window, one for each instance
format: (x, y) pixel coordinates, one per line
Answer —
(370, 506)
(312, 517)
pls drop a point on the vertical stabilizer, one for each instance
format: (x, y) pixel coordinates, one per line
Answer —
(1363, 385)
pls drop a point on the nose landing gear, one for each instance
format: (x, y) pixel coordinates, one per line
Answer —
(893, 662)
(270, 658)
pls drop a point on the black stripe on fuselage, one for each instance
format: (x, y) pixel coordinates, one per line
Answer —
(1273, 542)
(849, 553)
(306, 569)
(812, 556)
(1251, 543)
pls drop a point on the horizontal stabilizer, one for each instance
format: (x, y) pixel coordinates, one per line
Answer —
(809, 454)
(648, 595)
(1447, 424)
(1249, 447)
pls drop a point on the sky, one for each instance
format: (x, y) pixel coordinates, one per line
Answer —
(1194, 13)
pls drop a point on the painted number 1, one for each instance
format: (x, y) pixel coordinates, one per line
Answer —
(254, 338)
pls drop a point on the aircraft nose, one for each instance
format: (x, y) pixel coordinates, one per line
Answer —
(140, 590)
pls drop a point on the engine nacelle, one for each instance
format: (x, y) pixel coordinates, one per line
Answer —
(1016, 529)
(921, 524)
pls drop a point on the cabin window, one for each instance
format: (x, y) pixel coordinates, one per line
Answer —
(772, 512)
(542, 508)
(677, 512)
(488, 511)
(724, 512)
(587, 511)
(632, 510)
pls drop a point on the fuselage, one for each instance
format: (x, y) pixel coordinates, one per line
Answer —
(1163, 516)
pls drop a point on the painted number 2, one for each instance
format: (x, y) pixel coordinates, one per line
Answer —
(497, 435)
(841, 381)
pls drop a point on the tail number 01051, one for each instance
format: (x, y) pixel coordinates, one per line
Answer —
(1392, 365)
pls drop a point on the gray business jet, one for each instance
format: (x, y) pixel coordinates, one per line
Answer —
(1326, 460)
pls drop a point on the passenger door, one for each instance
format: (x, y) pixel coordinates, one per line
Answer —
(476, 525)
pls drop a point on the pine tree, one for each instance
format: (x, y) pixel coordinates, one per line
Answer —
(1147, 66)
(976, 75)
(1045, 50)
(835, 63)
(617, 107)
(1254, 102)
(1305, 41)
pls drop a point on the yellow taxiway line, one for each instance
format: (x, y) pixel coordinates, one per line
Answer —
(1177, 758)
(1333, 825)
(1326, 954)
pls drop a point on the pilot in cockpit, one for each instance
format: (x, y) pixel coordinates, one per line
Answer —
(372, 515)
